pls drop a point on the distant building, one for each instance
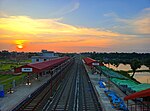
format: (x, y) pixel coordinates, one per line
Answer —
(47, 53)
(44, 56)
(41, 58)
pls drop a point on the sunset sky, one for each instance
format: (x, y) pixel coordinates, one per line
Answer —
(75, 25)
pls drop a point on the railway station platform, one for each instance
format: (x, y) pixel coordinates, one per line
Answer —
(20, 93)
(103, 99)
(25, 90)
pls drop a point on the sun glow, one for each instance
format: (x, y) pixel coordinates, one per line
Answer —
(20, 44)
(33, 34)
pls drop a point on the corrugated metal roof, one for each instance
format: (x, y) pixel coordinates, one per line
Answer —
(46, 64)
(144, 93)
(88, 60)
(40, 66)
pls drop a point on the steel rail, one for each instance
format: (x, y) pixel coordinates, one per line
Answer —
(32, 103)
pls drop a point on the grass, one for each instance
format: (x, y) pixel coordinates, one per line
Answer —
(27, 61)
(5, 67)
(4, 77)
(7, 80)
(8, 65)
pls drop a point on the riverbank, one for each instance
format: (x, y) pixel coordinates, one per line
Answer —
(130, 71)
(141, 76)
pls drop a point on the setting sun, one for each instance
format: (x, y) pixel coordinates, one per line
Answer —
(19, 46)
(19, 43)
(53, 25)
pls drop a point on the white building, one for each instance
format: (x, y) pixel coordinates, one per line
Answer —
(44, 56)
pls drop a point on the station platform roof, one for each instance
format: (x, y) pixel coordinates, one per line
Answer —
(89, 61)
(141, 94)
(41, 66)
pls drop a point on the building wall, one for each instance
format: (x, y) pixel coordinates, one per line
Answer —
(39, 60)
(48, 54)
(44, 56)
(34, 60)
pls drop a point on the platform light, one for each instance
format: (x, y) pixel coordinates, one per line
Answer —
(10, 92)
(28, 84)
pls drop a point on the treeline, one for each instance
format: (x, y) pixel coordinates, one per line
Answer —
(117, 58)
(135, 60)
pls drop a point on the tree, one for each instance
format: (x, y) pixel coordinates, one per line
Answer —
(116, 63)
(135, 64)
(147, 63)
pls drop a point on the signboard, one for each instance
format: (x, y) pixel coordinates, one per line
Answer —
(95, 64)
(26, 69)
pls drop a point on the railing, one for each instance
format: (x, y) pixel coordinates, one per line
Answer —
(139, 107)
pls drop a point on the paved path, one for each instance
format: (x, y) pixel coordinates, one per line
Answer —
(20, 93)
(100, 91)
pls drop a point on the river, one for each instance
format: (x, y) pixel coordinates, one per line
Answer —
(143, 77)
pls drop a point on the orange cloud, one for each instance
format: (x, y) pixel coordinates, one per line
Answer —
(27, 25)
(52, 33)
(143, 25)
(137, 25)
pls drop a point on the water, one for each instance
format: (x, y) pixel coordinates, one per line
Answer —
(125, 67)
(143, 77)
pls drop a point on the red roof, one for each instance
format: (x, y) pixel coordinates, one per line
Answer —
(50, 63)
(40, 66)
(88, 60)
(144, 93)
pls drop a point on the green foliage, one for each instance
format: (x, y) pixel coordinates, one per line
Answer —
(124, 58)
(9, 66)
(7, 80)
(147, 62)
(135, 64)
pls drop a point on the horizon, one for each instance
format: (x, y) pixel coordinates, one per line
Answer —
(75, 26)
(75, 52)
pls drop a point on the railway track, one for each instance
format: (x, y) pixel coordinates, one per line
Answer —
(72, 93)
(63, 97)
(88, 100)
(76, 92)
(38, 99)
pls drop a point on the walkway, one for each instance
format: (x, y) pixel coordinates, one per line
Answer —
(20, 93)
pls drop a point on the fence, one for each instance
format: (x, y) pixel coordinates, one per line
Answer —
(139, 107)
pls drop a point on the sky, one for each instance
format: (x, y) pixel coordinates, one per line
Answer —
(75, 25)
